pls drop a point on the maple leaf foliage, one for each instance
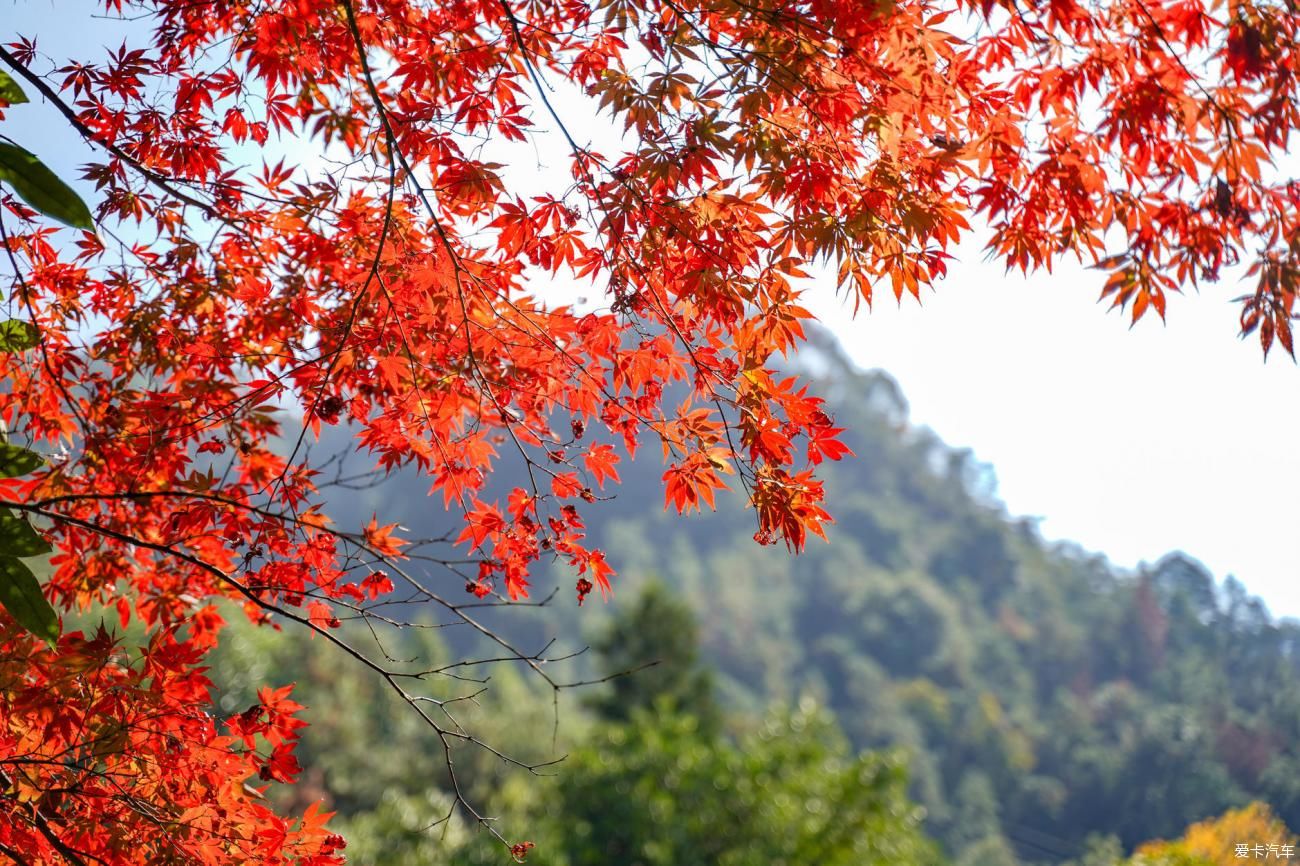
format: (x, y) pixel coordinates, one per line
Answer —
(393, 289)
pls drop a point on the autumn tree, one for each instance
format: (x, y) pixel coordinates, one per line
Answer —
(1250, 832)
(213, 280)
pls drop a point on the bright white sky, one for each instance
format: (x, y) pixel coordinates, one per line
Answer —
(1133, 443)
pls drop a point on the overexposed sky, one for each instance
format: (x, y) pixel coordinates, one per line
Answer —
(1132, 443)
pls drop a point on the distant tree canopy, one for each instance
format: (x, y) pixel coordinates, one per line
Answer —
(655, 784)
(1245, 835)
(659, 785)
(650, 655)
(660, 793)
(1088, 701)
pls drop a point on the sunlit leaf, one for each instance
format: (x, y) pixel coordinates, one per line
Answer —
(18, 336)
(15, 461)
(41, 188)
(10, 92)
(18, 538)
(20, 595)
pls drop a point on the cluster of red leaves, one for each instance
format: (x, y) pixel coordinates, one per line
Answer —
(388, 288)
(97, 742)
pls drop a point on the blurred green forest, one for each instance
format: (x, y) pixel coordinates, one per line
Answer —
(653, 773)
(1038, 704)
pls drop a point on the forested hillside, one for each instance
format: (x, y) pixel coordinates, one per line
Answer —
(1041, 696)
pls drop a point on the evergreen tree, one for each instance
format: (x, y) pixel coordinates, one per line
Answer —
(650, 653)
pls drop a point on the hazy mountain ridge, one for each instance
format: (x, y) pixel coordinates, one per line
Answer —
(1043, 694)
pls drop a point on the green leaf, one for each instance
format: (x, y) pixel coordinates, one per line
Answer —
(17, 538)
(40, 188)
(18, 336)
(20, 594)
(10, 92)
(15, 461)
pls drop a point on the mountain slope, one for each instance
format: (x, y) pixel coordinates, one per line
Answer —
(1043, 695)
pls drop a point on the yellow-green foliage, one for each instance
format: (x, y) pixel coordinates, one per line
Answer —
(1214, 842)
